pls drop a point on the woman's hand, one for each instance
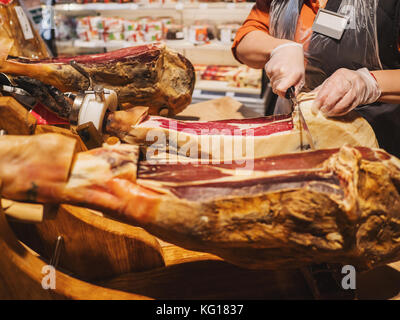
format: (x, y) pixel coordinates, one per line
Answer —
(285, 68)
(345, 90)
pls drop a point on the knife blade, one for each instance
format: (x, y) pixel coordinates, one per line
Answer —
(305, 132)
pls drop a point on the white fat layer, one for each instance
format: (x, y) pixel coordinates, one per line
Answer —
(87, 170)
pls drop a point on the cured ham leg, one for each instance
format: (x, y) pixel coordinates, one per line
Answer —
(237, 139)
(334, 206)
(148, 75)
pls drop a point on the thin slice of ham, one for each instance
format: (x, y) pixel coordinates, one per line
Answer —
(327, 206)
(229, 140)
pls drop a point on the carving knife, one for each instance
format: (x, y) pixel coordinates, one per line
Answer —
(305, 132)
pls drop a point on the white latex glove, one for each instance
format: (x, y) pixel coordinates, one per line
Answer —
(285, 68)
(345, 90)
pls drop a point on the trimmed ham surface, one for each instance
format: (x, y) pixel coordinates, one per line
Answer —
(228, 140)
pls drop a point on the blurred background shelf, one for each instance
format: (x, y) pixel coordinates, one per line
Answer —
(180, 6)
(222, 86)
(209, 90)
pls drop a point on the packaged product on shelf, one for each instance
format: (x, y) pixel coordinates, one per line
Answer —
(113, 36)
(200, 34)
(87, 28)
(199, 70)
(83, 23)
(154, 36)
(227, 32)
(90, 23)
(244, 77)
(131, 31)
(153, 31)
(113, 29)
(218, 73)
(237, 77)
(175, 32)
(166, 22)
(143, 21)
(133, 36)
(99, 1)
(152, 2)
(153, 26)
(113, 24)
(131, 25)
(88, 35)
(96, 23)
(65, 28)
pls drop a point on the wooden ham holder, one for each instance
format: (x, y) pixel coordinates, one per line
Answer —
(118, 261)
(21, 275)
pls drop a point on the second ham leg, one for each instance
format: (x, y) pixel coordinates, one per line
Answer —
(150, 75)
(333, 206)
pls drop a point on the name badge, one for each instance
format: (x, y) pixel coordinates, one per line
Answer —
(330, 24)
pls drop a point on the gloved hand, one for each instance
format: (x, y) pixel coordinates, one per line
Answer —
(345, 90)
(285, 68)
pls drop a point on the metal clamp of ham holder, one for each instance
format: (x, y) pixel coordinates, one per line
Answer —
(91, 105)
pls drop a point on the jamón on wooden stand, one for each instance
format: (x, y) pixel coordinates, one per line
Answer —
(337, 205)
(235, 224)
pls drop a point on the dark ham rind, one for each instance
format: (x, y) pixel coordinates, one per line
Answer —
(49, 96)
(149, 75)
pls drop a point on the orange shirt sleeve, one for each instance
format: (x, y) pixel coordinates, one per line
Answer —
(258, 19)
(398, 43)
